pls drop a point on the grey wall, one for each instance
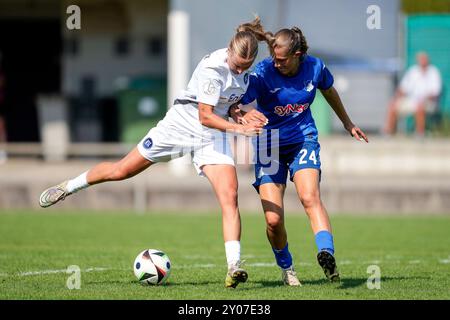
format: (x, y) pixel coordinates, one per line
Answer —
(340, 27)
(333, 27)
(213, 22)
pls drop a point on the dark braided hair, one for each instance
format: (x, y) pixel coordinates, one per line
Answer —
(292, 38)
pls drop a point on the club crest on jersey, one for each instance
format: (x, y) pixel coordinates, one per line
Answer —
(290, 108)
(309, 86)
(147, 143)
(210, 87)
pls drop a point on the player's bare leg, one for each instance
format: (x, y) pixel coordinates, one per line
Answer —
(307, 184)
(272, 202)
(225, 184)
(129, 166)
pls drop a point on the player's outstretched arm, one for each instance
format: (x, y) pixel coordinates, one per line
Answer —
(333, 99)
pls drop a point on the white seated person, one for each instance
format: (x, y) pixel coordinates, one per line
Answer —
(417, 94)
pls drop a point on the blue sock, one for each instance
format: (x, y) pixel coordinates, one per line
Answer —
(324, 241)
(283, 257)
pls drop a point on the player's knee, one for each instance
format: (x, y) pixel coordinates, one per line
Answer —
(274, 221)
(310, 199)
(229, 197)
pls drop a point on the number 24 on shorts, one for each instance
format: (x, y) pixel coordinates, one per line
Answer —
(304, 153)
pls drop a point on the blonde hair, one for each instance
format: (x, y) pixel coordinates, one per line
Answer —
(245, 42)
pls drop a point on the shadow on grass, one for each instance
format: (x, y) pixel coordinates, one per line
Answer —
(267, 283)
(193, 283)
(348, 283)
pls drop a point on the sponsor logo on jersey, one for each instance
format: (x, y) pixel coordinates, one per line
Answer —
(290, 108)
(309, 86)
(235, 97)
(147, 143)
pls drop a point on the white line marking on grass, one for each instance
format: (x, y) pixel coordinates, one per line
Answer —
(344, 262)
(211, 265)
(194, 257)
(305, 264)
(42, 272)
(36, 273)
(445, 261)
(189, 266)
(96, 269)
(262, 264)
(373, 262)
(414, 261)
(203, 257)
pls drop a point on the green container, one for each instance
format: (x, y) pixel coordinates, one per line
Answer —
(321, 113)
(431, 33)
(141, 105)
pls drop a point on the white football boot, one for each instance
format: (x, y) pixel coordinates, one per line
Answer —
(53, 194)
(289, 277)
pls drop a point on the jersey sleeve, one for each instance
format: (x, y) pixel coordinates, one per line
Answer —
(252, 91)
(209, 86)
(326, 79)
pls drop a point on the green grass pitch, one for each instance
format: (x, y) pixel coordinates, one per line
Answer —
(36, 247)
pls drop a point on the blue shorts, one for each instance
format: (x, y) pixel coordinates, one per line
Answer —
(274, 168)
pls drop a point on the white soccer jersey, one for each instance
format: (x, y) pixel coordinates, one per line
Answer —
(180, 132)
(212, 83)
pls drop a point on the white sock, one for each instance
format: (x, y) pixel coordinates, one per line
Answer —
(233, 251)
(77, 183)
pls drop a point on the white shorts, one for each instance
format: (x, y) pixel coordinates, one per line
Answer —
(406, 106)
(162, 144)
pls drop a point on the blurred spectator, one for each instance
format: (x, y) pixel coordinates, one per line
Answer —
(2, 110)
(417, 94)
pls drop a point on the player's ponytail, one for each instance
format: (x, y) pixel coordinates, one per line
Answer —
(293, 39)
(245, 42)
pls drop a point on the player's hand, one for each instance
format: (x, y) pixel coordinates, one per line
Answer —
(249, 129)
(358, 134)
(254, 116)
(236, 114)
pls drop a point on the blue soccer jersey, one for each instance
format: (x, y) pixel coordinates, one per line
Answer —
(286, 101)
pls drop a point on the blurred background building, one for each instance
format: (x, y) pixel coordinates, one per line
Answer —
(95, 91)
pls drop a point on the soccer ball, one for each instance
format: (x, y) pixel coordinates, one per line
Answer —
(152, 267)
